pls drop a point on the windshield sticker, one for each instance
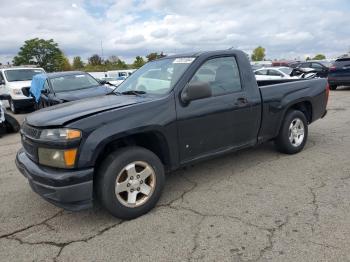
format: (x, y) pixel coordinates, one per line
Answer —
(184, 60)
(38, 71)
(80, 76)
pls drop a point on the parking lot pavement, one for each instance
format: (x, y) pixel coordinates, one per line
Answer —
(254, 205)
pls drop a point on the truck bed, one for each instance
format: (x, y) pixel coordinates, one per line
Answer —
(278, 95)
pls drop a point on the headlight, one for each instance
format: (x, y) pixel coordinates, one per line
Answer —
(57, 157)
(61, 134)
(17, 91)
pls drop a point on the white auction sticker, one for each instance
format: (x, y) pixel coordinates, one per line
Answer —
(184, 60)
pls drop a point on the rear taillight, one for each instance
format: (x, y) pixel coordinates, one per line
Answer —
(332, 68)
(327, 93)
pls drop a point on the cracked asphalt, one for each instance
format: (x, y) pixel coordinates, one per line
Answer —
(253, 205)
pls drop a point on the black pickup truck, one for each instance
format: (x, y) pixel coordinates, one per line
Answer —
(170, 113)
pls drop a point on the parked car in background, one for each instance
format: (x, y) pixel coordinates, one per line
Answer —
(120, 73)
(8, 124)
(56, 88)
(339, 73)
(284, 63)
(271, 73)
(15, 82)
(322, 67)
(260, 64)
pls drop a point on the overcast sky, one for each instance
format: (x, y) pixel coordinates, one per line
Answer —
(287, 29)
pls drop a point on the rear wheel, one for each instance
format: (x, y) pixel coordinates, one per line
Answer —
(333, 87)
(293, 133)
(130, 182)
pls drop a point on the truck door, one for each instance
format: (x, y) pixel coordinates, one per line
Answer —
(220, 122)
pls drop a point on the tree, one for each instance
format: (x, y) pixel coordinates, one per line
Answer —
(121, 65)
(154, 56)
(258, 54)
(95, 60)
(78, 63)
(113, 59)
(41, 52)
(139, 61)
(65, 64)
(319, 57)
(308, 58)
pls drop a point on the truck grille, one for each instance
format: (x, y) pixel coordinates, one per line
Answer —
(29, 148)
(25, 91)
(30, 131)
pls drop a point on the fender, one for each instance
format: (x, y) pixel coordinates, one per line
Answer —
(97, 141)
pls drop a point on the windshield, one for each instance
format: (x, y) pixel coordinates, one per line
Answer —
(73, 82)
(286, 70)
(14, 75)
(157, 77)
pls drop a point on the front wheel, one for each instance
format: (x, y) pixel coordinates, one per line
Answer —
(293, 133)
(130, 182)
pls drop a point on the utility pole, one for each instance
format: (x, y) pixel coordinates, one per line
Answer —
(101, 50)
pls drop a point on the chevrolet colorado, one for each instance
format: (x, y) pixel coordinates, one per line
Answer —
(117, 148)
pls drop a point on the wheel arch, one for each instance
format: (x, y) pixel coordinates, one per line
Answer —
(152, 140)
(305, 106)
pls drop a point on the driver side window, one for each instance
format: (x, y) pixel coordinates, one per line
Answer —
(221, 74)
(274, 73)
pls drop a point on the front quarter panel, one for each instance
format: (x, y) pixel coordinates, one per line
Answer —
(156, 115)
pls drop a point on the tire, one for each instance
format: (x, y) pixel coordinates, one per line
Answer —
(113, 169)
(12, 125)
(13, 107)
(333, 87)
(293, 134)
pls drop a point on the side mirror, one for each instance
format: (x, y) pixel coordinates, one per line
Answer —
(5, 97)
(45, 91)
(2, 82)
(103, 82)
(195, 91)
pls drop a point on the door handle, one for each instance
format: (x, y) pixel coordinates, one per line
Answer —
(241, 101)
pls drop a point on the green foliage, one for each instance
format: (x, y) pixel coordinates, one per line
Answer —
(41, 52)
(319, 57)
(308, 58)
(139, 61)
(46, 54)
(95, 60)
(65, 64)
(154, 56)
(78, 63)
(258, 54)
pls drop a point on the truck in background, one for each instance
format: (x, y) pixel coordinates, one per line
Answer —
(15, 82)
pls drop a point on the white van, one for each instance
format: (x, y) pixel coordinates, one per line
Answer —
(120, 73)
(15, 82)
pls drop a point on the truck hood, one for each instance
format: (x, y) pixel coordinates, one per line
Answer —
(19, 84)
(83, 93)
(60, 114)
